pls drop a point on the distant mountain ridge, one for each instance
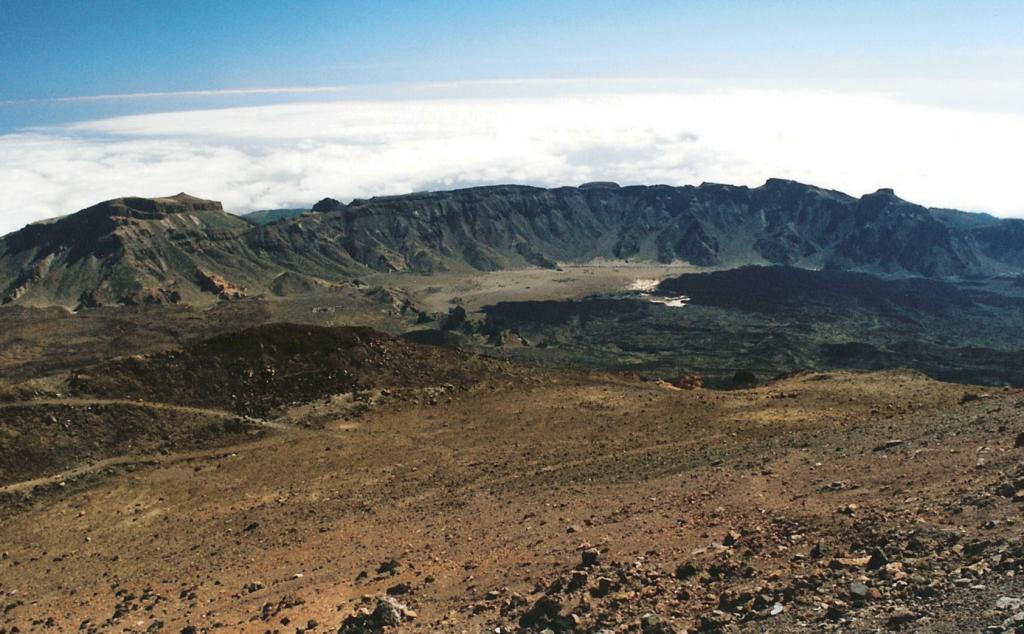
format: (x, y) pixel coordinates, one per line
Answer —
(181, 248)
(263, 216)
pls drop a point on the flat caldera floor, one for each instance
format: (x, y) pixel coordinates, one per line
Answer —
(477, 289)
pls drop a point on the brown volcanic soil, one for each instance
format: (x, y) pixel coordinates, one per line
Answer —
(485, 496)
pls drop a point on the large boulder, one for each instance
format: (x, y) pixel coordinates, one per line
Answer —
(389, 612)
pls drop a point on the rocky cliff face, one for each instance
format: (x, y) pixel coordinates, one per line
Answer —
(781, 222)
(128, 251)
(136, 250)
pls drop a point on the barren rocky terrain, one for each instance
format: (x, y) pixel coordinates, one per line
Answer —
(331, 422)
(520, 499)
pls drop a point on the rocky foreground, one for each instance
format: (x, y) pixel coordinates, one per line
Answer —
(547, 501)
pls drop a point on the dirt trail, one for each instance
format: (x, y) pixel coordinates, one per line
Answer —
(86, 402)
(170, 407)
(156, 459)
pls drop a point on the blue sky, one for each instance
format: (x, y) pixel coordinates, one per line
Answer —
(103, 47)
(70, 72)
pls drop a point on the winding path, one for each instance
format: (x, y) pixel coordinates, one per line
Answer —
(153, 459)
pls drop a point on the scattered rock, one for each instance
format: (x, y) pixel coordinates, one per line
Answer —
(858, 591)
(849, 562)
(1015, 623)
(731, 538)
(685, 570)
(714, 621)
(398, 589)
(654, 624)
(1009, 604)
(901, 617)
(387, 613)
(391, 612)
(878, 559)
(270, 610)
(836, 610)
(546, 612)
(590, 557)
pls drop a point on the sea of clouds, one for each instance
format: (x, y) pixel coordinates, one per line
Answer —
(290, 155)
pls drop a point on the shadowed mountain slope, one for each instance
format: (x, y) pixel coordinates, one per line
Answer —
(128, 251)
(781, 222)
(136, 250)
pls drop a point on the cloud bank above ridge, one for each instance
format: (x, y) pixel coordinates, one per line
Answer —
(293, 154)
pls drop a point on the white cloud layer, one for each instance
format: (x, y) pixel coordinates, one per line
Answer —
(290, 155)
